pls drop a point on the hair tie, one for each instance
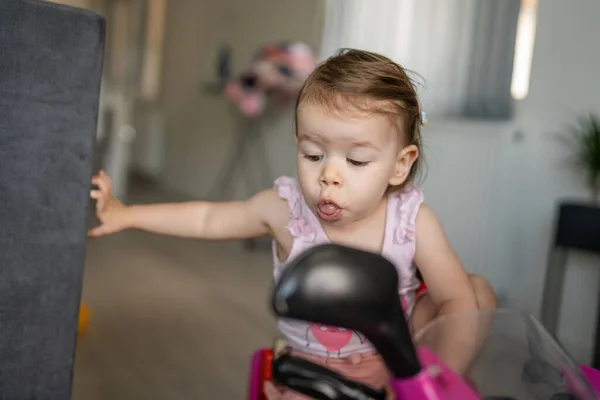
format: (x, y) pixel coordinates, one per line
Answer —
(422, 114)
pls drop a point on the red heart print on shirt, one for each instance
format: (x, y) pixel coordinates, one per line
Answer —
(331, 337)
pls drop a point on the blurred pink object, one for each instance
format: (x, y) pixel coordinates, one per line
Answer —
(277, 71)
(250, 103)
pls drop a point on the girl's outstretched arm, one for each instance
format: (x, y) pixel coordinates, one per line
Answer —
(204, 220)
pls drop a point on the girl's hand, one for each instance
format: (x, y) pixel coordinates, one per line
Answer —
(109, 210)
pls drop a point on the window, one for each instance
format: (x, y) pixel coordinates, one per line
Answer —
(475, 55)
(524, 45)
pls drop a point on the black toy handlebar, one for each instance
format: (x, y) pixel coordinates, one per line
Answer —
(319, 382)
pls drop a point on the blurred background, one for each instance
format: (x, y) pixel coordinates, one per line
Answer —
(173, 318)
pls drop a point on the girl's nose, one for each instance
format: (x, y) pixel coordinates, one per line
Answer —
(331, 176)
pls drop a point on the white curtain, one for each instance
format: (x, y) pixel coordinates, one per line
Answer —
(434, 38)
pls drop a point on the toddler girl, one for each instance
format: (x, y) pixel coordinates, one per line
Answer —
(358, 139)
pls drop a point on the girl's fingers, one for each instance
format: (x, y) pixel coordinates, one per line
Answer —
(100, 199)
(98, 231)
(103, 183)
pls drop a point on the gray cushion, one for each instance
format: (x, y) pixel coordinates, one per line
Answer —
(50, 71)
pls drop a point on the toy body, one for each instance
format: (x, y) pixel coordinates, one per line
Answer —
(508, 355)
(593, 376)
(445, 386)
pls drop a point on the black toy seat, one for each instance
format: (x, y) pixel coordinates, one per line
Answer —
(354, 289)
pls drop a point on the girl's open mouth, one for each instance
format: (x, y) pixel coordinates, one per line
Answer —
(328, 211)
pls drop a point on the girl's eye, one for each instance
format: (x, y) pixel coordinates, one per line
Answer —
(313, 158)
(357, 163)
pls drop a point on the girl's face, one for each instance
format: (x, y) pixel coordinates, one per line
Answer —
(345, 164)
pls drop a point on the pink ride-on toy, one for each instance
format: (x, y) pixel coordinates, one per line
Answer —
(511, 356)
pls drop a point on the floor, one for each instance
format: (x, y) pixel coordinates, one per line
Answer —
(171, 318)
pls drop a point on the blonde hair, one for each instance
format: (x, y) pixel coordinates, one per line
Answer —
(364, 80)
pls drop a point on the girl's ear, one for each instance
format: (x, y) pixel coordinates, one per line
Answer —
(404, 162)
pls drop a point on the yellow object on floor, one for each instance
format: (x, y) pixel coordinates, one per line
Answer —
(84, 319)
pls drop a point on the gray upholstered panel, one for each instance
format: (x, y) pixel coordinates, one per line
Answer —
(50, 69)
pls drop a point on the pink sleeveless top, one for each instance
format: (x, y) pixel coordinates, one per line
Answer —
(398, 247)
